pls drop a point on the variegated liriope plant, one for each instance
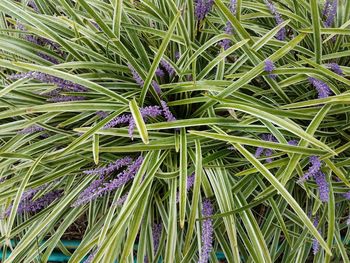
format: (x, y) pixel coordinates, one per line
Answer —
(175, 130)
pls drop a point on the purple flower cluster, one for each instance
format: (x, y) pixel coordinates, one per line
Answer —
(149, 111)
(65, 98)
(99, 186)
(320, 178)
(28, 204)
(121, 200)
(110, 168)
(102, 114)
(202, 8)
(207, 231)
(159, 72)
(335, 68)
(125, 176)
(313, 169)
(167, 113)
(156, 87)
(63, 85)
(136, 76)
(281, 35)
(32, 129)
(156, 234)
(269, 68)
(146, 112)
(268, 152)
(322, 88)
(40, 41)
(167, 67)
(315, 243)
(225, 44)
(329, 12)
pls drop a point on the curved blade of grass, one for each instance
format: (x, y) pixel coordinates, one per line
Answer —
(183, 176)
(19, 194)
(140, 123)
(158, 58)
(285, 194)
(259, 143)
(316, 30)
(278, 121)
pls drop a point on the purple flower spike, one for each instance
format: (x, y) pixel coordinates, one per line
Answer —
(167, 113)
(48, 58)
(267, 152)
(27, 204)
(207, 231)
(347, 195)
(225, 44)
(64, 85)
(169, 68)
(202, 8)
(335, 68)
(160, 73)
(121, 200)
(91, 192)
(136, 76)
(281, 35)
(315, 244)
(269, 68)
(156, 87)
(102, 114)
(177, 55)
(313, 170)
(125, 176)
(65, 98)
(31, 129)
(110, 168)
(259, 151)
(322, 88)
(118, 120)
(293, 142)
(98, 188)
(322, 183)
(330, 11)
(156, 234)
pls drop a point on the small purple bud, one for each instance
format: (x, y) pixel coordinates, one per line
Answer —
(322, 88)
(335, 68)
(269, 68)
(202, 8)
(159, 72)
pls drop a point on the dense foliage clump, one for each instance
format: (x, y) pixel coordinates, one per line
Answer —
(175, 130)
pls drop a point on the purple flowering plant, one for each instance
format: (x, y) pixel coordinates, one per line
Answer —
(108, 109)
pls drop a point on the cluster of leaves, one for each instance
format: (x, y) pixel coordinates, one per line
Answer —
(231, 73)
